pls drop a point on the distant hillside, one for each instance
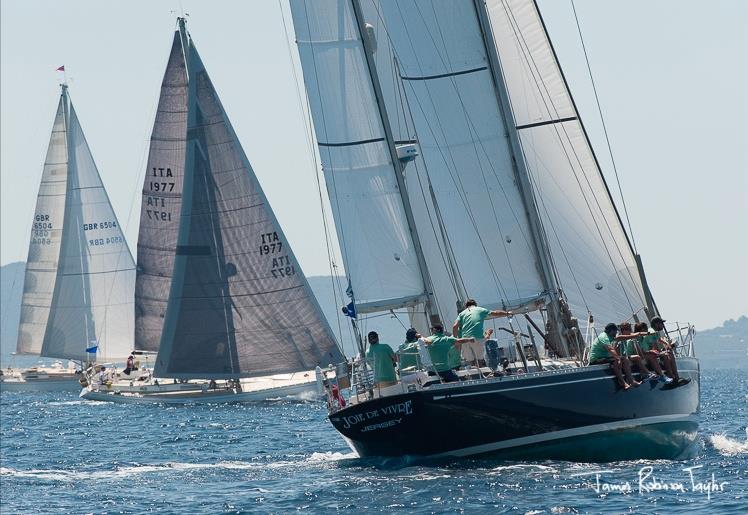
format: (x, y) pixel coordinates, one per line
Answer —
(725, 346)
(722, 347)
(11, 286)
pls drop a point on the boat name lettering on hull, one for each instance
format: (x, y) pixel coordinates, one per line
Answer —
(401, 408)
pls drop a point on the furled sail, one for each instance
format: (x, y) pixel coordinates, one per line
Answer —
(46, 235)
(594, 261)
(447, 85)
(377, 246)
(92, 301)
(239, 304)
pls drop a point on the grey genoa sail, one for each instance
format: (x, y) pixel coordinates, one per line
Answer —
(238, 303)
(79, 279)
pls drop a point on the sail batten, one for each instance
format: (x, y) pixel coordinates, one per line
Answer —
(238, 304)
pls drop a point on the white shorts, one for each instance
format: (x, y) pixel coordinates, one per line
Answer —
(473, 351)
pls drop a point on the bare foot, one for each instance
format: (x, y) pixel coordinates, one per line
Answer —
(625, 386)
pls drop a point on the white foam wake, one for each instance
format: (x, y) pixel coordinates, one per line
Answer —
(120, 472)
(132, 470)
(728, 446)
(529, 468)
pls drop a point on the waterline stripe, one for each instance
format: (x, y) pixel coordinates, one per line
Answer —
(566, 433)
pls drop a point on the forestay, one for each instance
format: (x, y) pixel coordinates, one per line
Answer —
(92, 303)
(377, 247)
(449, 90)
(44, 245)
(594, 261)
(239, 304)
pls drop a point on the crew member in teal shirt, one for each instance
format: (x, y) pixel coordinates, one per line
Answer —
(469, 323)
(439, 346)
(382, 358)
(407, 353)
(603, 350)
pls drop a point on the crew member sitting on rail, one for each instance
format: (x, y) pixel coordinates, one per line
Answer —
(407, 353)
(439, 346)
(630, 350)
(647, 348)
(603, 350)
(656, 339)
(382, 359)
(469, 323)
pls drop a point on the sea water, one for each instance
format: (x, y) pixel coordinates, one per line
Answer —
(64, 454)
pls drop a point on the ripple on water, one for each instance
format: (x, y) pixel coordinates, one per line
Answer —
(64, 453)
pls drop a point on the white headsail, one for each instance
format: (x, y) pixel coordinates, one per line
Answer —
(238, 304)
(91, 302)
(594, 260)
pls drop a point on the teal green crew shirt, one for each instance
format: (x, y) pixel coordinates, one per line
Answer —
(439, 351)
(382, 357)
(599, 349)
(408, 354)
(471, 322)
(649, 342)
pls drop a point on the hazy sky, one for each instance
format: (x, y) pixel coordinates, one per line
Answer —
(671, 74)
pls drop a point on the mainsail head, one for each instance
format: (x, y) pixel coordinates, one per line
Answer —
(238, 304)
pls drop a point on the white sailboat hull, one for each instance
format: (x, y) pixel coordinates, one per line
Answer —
(40, 380)
(302, 385)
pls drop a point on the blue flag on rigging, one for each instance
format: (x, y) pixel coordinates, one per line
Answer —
(350, 310)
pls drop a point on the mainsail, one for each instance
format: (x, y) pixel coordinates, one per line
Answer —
(595, 263)
(238, 304)
(85, 256)
(510, 202)
(377, 245)
(447, 86)
(161, 203)
(46, 235)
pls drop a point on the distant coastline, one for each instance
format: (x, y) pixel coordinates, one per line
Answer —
(723, 347)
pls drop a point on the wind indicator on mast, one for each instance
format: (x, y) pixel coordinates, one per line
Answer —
(64, 75)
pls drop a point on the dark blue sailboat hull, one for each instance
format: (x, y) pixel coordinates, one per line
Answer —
(577, 414)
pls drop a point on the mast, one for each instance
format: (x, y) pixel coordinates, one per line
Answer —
(396, 162)
(539, 238)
